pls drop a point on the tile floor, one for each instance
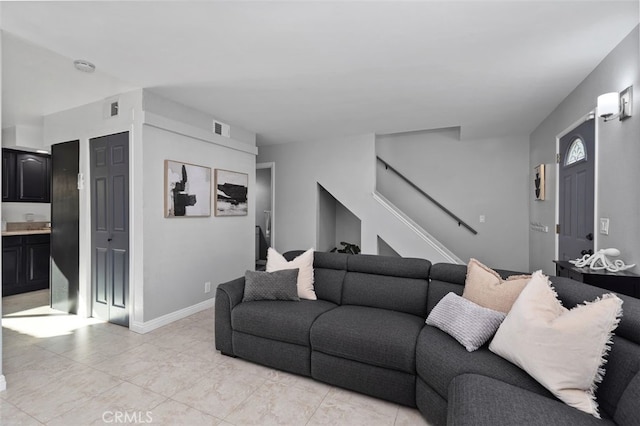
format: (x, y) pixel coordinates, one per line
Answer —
(65, 370)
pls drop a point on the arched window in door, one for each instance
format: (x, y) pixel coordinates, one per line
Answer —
(576, 152)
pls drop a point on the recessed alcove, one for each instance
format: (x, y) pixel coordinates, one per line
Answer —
(385, 249)
(336, 223)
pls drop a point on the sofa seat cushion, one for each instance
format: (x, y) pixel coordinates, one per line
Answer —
(480, 400)
(285, 321)
(369, 335)
(440, 358)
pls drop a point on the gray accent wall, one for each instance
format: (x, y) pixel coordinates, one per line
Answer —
(385, 249)
(471, 178)
(618, 151)
(181, 254)
(346, 167)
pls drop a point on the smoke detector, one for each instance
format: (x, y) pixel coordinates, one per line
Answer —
(84, 66)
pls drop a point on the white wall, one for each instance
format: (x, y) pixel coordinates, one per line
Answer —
(23, 137)
(166, 281)
(15, 212)
(193, 117)
(618, 149)
(84, 123)
(3, 383)
(470, 178)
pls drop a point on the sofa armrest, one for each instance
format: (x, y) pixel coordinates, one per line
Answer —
(228, 295)
(479, 400)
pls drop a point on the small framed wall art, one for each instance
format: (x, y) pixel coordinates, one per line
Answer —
(231, 193)
(538, 182)
(187, 190)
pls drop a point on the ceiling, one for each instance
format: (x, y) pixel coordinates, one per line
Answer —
(302, 71)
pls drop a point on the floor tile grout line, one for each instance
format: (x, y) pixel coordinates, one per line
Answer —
(319, 405)
(200, 332)
(248, 396)
(22, 411)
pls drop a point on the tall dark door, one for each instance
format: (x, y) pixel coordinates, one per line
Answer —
(576, 195)
(110, 227)
(65, 226)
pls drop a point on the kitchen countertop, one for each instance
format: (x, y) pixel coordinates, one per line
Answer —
(26, 232)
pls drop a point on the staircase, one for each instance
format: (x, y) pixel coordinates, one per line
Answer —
(418, 231)
(381, 218)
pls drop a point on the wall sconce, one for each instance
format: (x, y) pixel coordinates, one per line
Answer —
(615, 105)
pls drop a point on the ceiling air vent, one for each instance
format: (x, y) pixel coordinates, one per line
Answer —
(221, 129)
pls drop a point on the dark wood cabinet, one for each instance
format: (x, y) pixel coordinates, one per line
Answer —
(12, 270)
(25, 263)
(623, 282)
(8, 175)
(26, 177)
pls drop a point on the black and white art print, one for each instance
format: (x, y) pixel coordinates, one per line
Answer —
(187, 190)
(231, 193)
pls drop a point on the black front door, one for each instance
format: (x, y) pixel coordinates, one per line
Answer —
(576, 195)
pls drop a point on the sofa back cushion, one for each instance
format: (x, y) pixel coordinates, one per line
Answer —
(621, 383)
(623, 361)
(329, 270)
(398, 284)
(628, 410)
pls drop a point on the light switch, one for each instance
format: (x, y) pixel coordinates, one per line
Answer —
(482, 218)
(604, 225)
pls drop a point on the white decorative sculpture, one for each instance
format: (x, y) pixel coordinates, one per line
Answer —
(599, 261)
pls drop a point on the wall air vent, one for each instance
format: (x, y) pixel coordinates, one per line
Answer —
(221, 129)
(111, 107)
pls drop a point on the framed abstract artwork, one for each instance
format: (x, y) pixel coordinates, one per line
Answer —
(231, 193)
(538, 182)
(187, 190)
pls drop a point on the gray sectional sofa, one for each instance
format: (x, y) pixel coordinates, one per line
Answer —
(366, 332)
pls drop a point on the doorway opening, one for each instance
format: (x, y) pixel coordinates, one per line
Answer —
(264, 211)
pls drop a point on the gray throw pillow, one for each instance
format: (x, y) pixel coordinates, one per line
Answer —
(279, 285)
(470, 324)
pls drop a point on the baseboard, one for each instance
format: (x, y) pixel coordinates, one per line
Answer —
(3, 383)
(147, 326)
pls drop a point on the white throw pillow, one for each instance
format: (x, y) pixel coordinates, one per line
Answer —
(562, 349)
(304, 262)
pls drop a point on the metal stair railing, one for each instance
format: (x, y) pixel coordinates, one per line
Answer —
(429, 197)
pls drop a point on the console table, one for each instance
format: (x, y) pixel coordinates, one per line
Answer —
(623, 282)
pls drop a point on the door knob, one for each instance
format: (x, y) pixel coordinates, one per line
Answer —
(589, 236)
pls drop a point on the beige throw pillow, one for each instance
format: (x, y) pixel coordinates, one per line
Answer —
(484, 287)
(304, 262)
(562, 349)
